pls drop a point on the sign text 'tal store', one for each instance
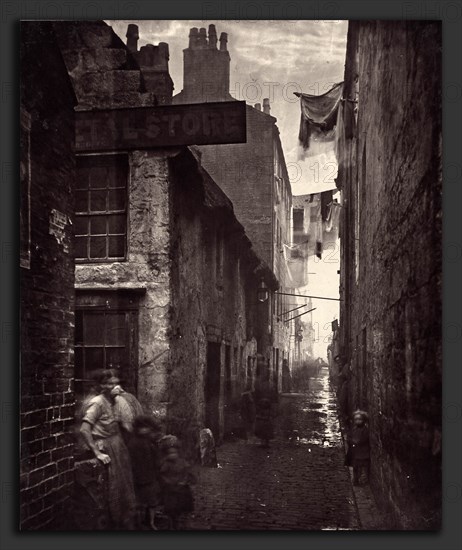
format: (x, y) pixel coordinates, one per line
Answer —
(170, 125)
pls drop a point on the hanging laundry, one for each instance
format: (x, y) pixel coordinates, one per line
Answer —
(296, 260)
(318, 118)
(319, 249)
(328, 224)
(333, 217)
(326, 201)
(319, 239)
(306, 217)
(302, 202)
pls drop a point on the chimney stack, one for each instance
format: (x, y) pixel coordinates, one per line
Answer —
(258, 106)
(212, 37)
(132, 37)
(223, 41)
(206, 68)
(266, 105)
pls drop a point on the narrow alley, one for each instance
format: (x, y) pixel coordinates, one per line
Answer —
(300, 483)
(200, 263)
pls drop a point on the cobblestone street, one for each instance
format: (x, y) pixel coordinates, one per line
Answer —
(300, 483)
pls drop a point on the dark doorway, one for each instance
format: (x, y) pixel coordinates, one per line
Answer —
(212, 389)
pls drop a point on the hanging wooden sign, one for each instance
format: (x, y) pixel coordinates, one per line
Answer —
(165, 126)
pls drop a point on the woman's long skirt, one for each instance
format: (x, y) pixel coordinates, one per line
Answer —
(120, 489)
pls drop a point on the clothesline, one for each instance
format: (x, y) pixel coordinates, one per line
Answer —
(299, 94)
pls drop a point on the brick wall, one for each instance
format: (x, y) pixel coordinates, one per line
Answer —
(47, 291)
(245, 172)
(391, 321)
(206, 68)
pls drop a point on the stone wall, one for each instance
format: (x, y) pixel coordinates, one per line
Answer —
(46, 280)
(392, 280)
(214, 290)
(147, 268)
(104, 73)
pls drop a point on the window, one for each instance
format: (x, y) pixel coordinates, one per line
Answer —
(101, 208)
(105, 337)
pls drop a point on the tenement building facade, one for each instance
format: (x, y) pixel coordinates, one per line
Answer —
(253, 175)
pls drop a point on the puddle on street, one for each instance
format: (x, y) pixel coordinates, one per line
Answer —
(319, 404)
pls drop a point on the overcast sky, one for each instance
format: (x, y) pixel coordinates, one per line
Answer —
(273, 59)
(268, 59)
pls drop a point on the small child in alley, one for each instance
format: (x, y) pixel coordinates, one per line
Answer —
(176, 479)
(144, 454)
(358, 454)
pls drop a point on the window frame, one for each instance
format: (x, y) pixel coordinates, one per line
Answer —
(106, 213)
(115, 301)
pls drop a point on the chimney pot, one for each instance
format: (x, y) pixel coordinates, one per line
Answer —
(266, 105)
(202, 37)
(132, 37)
(163, 49)
(223, 41)
(258, 106)
(193, 37)
(212, 36)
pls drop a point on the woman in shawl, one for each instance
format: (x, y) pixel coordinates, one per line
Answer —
(100, 431)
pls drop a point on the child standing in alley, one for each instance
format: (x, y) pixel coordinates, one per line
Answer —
(358, 446)
(176, 479)
(144, 454)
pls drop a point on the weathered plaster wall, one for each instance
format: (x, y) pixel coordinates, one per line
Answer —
(147, 267)
(210, 301)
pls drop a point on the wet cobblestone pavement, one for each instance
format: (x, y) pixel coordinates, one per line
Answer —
(300, 483)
